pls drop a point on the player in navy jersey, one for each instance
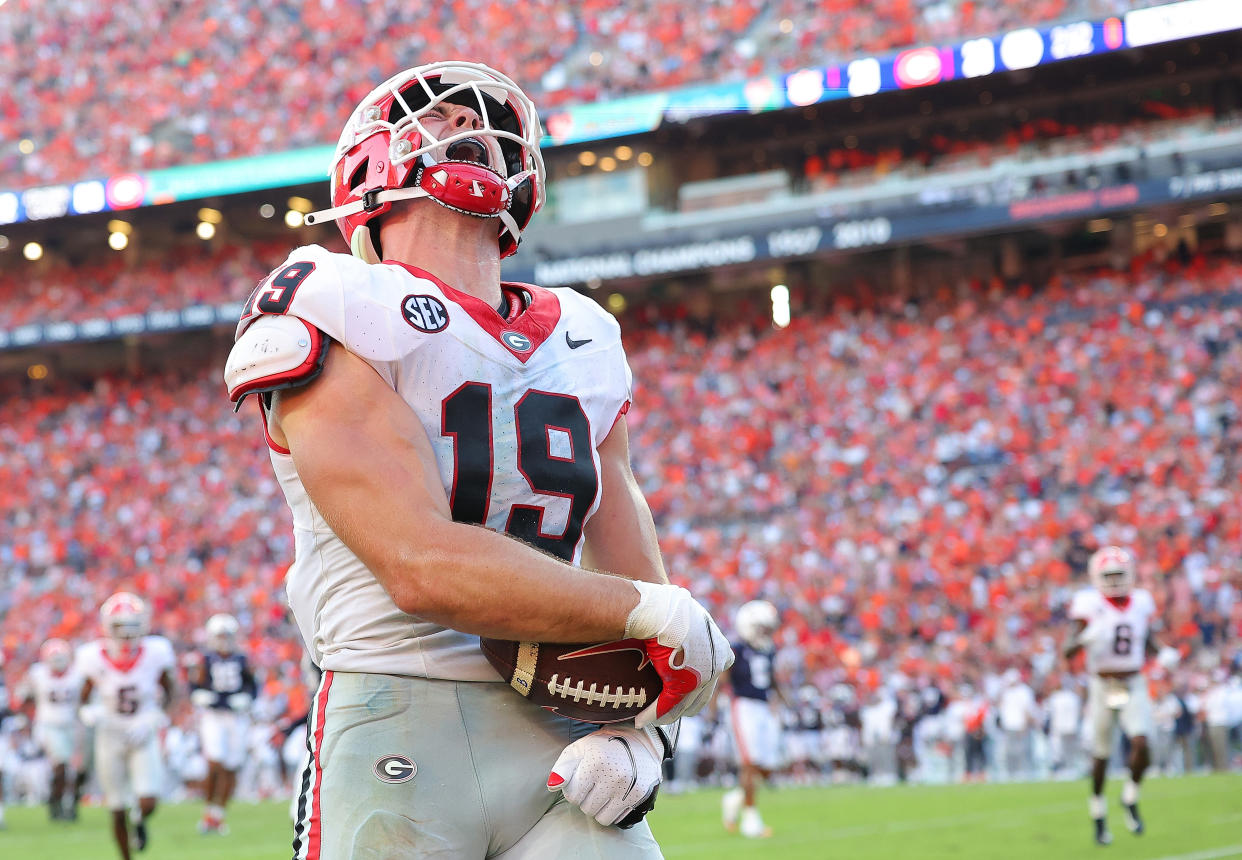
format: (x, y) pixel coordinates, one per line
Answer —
(223, 690)
(756, 728)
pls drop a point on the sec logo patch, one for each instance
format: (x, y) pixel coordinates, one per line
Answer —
(395, 769)
(425, 313)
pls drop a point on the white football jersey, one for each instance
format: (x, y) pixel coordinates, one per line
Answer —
(125, 689)
(56, 697)
(515, 410)
(1117, 633)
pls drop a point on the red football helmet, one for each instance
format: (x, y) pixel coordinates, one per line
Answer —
(386, 154)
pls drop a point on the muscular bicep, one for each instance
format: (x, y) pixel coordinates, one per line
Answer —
(365, 460)
(621, 536)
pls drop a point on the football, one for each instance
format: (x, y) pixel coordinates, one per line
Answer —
(600, 683)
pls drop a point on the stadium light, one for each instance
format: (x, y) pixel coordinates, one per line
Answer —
(623, 153)
(294, 218)
(26, 146)
(37, 371)
(300, 204)
(116, 225)
(1217, 209)
(205, 230)
(4, 243)
(211, 216)
(596, 58)
(118, 241)
(616, 303)
(1099, 225)
(1160, 231)
(607, 164)
(267, 210)
(586, 158)
(780, 306)
(32, 251)
(645, 159)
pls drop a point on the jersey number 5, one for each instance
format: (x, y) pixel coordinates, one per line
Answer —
(565, 468)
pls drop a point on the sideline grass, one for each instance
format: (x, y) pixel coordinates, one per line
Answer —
(1190, 818)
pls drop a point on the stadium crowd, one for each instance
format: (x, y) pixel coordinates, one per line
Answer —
(223, 80)
(915, 480)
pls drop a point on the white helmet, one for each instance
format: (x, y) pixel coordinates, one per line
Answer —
(57, 654)
(125, 620)
(386, 154)
(757, 622)
(1111, 570)
(222, 632)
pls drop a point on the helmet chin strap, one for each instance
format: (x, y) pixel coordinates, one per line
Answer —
(360, 242)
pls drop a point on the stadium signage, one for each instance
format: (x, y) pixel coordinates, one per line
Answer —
(1181, 21)
(1211, 182)
(797, 238)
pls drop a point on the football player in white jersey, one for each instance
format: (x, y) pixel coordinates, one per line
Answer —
(129, 681)
(455, 454)
(52, 690)
(1113, 625)
(223, 689)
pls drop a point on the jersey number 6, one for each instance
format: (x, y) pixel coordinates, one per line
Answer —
(568, 471)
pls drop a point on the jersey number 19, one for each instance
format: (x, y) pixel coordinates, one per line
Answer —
(467, 417)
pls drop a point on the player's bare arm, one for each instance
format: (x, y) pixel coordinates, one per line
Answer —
(367, 463)
(169, 685)
(621, 536)
(1073, 643)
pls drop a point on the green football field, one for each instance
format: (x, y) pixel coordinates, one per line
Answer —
(1192, 818)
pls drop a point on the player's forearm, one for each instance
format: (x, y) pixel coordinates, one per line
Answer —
(478, 581)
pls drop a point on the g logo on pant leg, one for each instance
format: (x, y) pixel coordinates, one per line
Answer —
(394, 769)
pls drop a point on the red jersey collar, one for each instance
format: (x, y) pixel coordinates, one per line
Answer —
(521, 335)
(124, 664)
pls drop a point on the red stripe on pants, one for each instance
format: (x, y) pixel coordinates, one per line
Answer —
(316, 823)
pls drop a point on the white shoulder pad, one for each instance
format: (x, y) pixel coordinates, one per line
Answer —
(274, 352)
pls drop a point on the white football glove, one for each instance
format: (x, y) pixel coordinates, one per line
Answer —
(1169, 658)
(143, 727)
(685, 646)
(612, 775)
(90, 715)
(239, 701)
(203, 698)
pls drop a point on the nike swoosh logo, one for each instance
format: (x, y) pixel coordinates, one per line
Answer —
(574, 344)
(611, 648)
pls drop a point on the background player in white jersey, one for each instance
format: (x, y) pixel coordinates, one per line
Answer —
(129, 679)
(455, 454)
(1064, 709)
(52, 690)
(756, 726)
(222, 687)
(1112, 621)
